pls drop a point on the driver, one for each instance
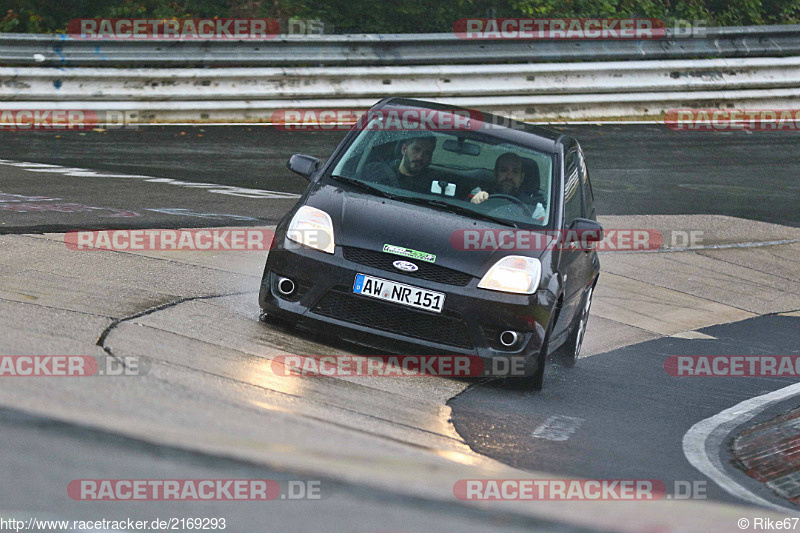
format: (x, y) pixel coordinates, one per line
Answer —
(411, 171)
(508, 178)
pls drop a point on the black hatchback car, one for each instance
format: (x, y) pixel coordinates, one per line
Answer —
(445, 235)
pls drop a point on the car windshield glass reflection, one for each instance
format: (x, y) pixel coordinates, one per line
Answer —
(477, 175)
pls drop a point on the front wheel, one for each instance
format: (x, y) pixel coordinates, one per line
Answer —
(267, 318)
(536, 380)
(572, 348)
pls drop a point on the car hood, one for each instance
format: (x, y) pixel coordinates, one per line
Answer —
(363, 220)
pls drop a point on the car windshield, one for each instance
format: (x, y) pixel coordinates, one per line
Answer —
(468, 172)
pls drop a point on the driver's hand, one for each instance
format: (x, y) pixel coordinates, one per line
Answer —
(480, 197)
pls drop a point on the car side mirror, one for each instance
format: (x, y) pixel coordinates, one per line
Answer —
(588, 230)
(305, 165)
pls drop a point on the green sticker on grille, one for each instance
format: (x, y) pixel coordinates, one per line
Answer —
(406, 252)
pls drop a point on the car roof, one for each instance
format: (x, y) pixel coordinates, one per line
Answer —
(503, 128)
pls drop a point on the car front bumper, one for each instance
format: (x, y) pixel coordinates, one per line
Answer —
(469, 324)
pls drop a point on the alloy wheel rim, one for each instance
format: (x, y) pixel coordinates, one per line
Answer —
(582, 324)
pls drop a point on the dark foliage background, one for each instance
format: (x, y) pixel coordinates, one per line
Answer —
(392, 16)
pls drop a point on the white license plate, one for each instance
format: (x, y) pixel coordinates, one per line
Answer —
(391, 291)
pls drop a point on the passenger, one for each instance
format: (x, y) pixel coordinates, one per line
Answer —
(411, 171)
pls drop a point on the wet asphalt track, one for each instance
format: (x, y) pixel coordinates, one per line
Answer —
(635, 169)
(630, 415)
(43, 456)
(634, 414)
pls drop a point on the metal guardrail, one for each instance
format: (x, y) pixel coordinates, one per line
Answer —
(524, 79)
(387, 49)
(281, 84)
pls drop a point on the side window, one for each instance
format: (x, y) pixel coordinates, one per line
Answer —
(572, 192)
(588, 194)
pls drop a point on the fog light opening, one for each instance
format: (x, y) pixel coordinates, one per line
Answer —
(285, 286)
(509, 338)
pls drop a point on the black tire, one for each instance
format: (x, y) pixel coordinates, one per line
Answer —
(535, 381)
(265, 317)
(571, 349)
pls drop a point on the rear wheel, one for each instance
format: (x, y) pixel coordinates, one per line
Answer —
(572, 348)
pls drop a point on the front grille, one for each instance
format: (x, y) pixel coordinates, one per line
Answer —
(442, 329)
(427, 271)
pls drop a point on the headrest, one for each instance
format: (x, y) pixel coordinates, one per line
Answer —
(531, 183)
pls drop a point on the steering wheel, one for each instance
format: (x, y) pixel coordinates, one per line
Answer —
(515, 200)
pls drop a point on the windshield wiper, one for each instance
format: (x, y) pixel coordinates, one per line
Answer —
(444, 206)
(363, 185)
(453, 208)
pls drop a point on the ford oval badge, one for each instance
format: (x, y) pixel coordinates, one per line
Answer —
(405, 266)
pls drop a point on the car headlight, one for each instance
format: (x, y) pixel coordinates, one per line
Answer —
(513, 273)
(312, 227)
